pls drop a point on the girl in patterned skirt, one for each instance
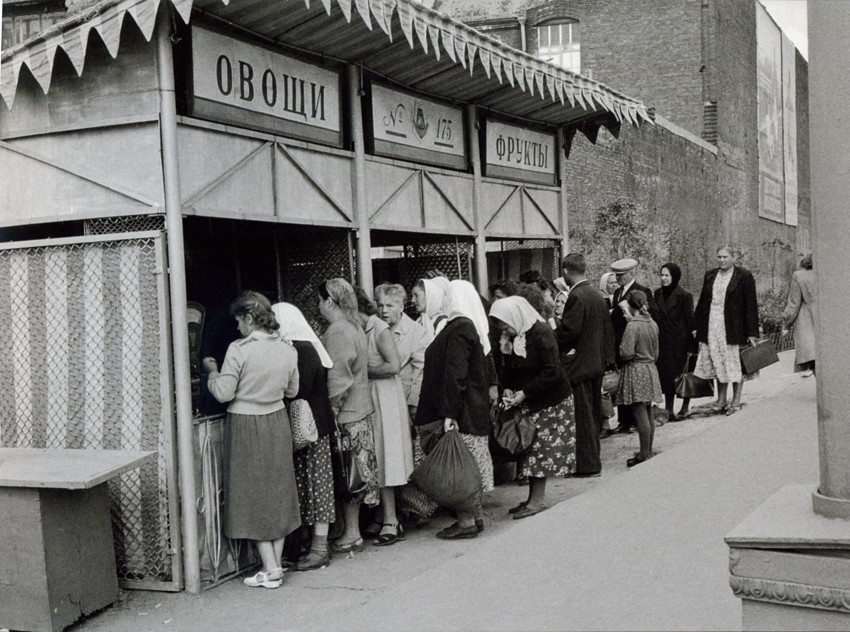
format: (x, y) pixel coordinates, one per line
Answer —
(639, 384)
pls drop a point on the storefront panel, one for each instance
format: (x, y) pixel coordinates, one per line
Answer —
(515, 210)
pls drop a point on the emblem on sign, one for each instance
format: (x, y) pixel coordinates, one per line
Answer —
(420, 122)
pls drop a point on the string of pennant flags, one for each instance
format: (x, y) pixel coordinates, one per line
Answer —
(435, 33)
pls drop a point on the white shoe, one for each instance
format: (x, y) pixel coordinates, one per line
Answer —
(264, 579)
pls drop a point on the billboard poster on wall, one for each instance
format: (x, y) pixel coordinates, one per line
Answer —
(789, 129)
(770, 114)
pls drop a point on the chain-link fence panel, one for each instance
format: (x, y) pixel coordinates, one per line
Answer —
(83, 366)
(127, 224)
(508, 258)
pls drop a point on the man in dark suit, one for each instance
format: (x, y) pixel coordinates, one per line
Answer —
(625, 271)
(584, 341)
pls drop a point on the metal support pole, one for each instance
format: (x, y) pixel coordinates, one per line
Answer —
(177, 290)
(480, 250)
(361, 213)
(563, 216)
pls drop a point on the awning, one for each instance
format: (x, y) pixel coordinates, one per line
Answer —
(399, 40)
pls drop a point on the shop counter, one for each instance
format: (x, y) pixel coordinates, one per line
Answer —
(57, 559)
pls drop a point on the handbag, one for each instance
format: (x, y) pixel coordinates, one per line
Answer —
(304, 431)
(754, 359)
(611, 381)
(349, 479)
(689, 386)
(513, 430)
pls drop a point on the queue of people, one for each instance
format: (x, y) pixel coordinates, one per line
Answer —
(390, 385)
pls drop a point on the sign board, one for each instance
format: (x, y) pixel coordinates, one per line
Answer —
(251, 86)
(412, 128)
(515, 152)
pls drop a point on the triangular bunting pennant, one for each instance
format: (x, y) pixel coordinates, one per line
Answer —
(144, 15)
(307, 3)
(363, 10)
(434, 34)
(460, 49)
(588, 96)
(484, 56)
(109, 30)
(471, 49)
(74, 45)
(579, 99)
(509, 71)
(496, 63)
(383, 13)
(559, 89)
(538, 81)
(40, 64)
(405, 17)
(422, 32)
(9, 74)
(345, 7)
(519, 74)
(448, 41)
(184, 8)
(550, 86)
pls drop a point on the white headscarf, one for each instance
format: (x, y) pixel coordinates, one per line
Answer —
(435, 303)
(463, 301)
(518, 314)
(293, 326)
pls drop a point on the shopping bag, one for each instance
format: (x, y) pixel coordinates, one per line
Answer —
(754, 359)
(610, 381)
(349, 481)
(689, 386)
(449, 474)
(302, 423)
(512, 429)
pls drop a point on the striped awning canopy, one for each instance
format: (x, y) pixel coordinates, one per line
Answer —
(398, 40)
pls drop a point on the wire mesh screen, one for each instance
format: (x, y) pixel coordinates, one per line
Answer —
(515, 256)
(309, 256)
(81, 368)
(425, 254)
(128, 224)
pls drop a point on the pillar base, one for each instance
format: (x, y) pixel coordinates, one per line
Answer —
(830, 507)
(791, 566)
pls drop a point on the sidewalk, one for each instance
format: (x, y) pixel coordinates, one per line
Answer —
(635, 550)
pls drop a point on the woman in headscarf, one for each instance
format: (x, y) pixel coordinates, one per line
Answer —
(313, 468)
(391, 420)
(608, 285)
(534, 380)
(455, 387)
(260, 497)
(429, 299)
(675, 341)
(350, 397)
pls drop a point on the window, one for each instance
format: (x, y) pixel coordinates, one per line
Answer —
(559, 44)
(19, 28)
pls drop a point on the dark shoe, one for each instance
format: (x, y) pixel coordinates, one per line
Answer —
(635, 460)
(385, 539)
(732, 409)
(314, 560)
(372, 530)
(479, 524)
(347, 547)
(519, 507)
(585, 475)
(456, 532)
(682, 415)
(528, 511)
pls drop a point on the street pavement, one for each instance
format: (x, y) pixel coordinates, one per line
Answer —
(638, 549)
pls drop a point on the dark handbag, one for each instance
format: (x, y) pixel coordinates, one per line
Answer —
(349, 480)
(689, 386)
(611, 381)
(754, 359)
(512, 430)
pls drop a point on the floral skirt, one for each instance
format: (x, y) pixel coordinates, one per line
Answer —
(553, 452)
(363, 447)
(639, 384)
(480, 448)
(314, 478)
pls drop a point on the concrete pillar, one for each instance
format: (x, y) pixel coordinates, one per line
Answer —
(480, 251)
(829, 129)
(361, 213)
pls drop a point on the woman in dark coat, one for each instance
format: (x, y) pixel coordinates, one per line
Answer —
(455, 385)
(725, 318)
(534, 379)
(675, 340)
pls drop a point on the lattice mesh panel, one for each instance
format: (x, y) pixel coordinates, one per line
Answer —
(517, 256)
(449, 255)
(80, 368)
(130, 224)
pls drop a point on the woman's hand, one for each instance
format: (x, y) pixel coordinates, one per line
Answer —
(753, 340)
(450, 424)
(209, 365)
(515, 400)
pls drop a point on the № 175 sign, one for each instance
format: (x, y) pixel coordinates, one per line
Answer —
(408, 127)
(519, 153)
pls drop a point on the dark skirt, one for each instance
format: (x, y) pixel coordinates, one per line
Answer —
(315, 481)
(260, 497)
(553, 452)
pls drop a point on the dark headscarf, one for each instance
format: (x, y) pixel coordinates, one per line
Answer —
(676, 273)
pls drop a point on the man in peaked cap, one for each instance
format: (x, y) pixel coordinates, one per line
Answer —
(625, 271)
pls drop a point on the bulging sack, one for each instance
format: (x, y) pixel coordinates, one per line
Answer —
(449, 474)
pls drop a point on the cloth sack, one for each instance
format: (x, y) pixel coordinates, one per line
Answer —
(449, 474)
(349, 480)
(513, 431)
(304, 431)
(754, 359)
(611, 381)
(428, 435)
(689, 386)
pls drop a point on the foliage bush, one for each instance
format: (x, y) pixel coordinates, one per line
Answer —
(771, 306)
